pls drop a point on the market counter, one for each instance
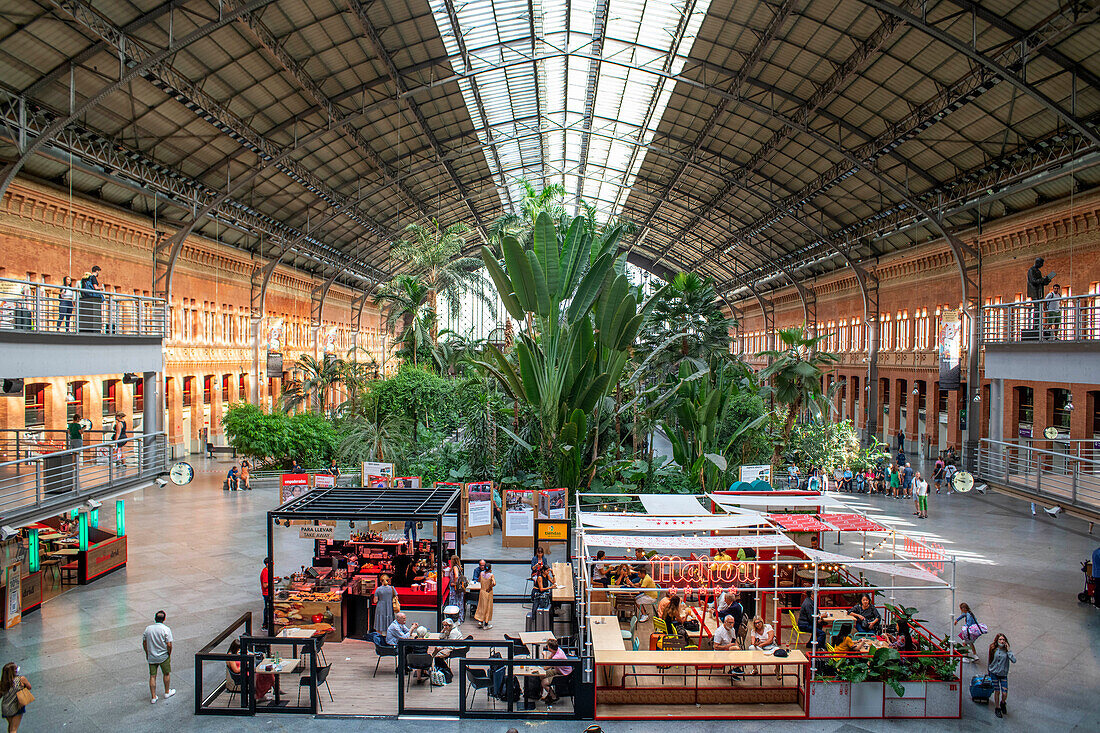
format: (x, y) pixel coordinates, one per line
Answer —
(410, 598)
(298, 610)
(30, 587)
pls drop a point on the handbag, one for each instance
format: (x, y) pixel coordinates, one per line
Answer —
(24, 696)
(396, 605)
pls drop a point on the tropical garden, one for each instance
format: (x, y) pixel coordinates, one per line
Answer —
(595, 382)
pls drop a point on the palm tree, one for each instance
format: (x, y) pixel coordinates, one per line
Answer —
(318, 376)
(520, 226)
(434, 255)
(794, 375)
(404, 301)
(373, 435)
(686, 322)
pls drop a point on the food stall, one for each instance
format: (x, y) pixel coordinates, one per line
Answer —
(339, 586)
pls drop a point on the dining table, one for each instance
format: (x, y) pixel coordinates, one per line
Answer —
(267, 665)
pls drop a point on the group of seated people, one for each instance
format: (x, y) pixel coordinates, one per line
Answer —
(865, 620)
(400, 628)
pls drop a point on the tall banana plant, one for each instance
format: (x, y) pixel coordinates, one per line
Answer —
(580, 318)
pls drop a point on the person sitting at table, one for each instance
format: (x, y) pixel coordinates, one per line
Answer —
(806, 617)
(674, 618)
(903, 640)
(725, 640)
(600, 572)
(843, 642)
(728, 603)
(641, 561)
(478, 570)
(264, 682)
(648, 596)
(448, 632)
(552, 651)
(626, 577)
(544, 585)
(867, 618)
(398, 630)
(720, 556)
(662, 605)
(761, 636)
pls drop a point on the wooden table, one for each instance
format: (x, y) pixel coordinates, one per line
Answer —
(866, 645)
(536, 639)
(833, 615)
(286, 666)
(293, 632)
(66, 551)
(605, 634)
(563, 583)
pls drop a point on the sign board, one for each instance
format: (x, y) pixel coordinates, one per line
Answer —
(406, 482)
(479, 508)
(553, 531)
(371, 468)
(519, 517)
(319, 532)
(292, 485)
(14, 600)
(324, 481)
(752, 473)
(949, 348)
(274, 363)
(552, 503)
(105, 557)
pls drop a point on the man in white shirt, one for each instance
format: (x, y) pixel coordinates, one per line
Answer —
(157, 643)
(725, 640)
(920, 490)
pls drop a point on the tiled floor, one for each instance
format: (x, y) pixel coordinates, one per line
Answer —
(195, 552)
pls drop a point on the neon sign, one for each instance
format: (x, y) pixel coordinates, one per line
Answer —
(682, 572)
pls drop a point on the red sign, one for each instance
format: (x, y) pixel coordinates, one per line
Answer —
(929, 554)
(682, 572)
(292, 485)
(324, 481)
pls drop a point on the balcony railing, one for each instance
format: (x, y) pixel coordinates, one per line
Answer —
(1056, 478)
(28, 306)
(1075, 319)
(55, 479)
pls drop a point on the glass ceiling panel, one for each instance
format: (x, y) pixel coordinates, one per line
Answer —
(592, 76)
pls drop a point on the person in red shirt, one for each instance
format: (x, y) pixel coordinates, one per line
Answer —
(264, 574)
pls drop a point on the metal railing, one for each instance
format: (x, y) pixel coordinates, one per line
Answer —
(31, 485)
(1051, 477)
(16, 443)
(1075, 319)
(37, 307)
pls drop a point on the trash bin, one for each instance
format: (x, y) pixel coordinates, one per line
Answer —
(59, 473)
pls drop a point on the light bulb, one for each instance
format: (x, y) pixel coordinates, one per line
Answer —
(977, 398)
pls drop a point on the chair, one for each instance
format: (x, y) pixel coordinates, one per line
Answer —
(417, 661)
(322, 678)
(624, 603)
(660, 627)
(232, 687)
(796, 633)
(629, 634)
(320, 649)
(518, 647)
(479, 679)
(384, 650)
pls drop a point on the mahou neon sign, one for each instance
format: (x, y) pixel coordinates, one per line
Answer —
(682, 572)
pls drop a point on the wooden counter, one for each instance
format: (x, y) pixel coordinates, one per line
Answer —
(563, 591)
(606, 635)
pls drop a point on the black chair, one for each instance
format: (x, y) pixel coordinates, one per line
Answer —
(384, 650)
(479, 679)
(322, 677)
(422, 662)
(518, 647)
(320, 644)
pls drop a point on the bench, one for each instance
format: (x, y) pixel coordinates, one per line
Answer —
(212, 449)
(69, 573)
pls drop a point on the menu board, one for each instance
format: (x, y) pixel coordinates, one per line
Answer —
(14, 600)
(324, 481)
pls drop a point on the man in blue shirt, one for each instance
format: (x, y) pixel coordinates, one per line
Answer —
(907, 480)
(233, 479)
(398, 630)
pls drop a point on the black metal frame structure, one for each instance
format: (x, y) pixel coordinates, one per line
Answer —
(369, 505)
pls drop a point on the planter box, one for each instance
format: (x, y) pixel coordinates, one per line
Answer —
(830, 699)
(913, 688)
(942, 699)
(866, 700)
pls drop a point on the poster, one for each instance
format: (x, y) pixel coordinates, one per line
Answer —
(949, 346)
(552, 504)
(15, 597)
(519, 514)
(324, 481)
(292, 485)
(406, 482)
(752, 473)
(370, 468)
(480, 513)
(377, 482)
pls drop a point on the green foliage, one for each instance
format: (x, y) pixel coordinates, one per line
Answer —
(829, 446)
(419, 396)
(276, 438)
(318, 377)
(685, 322)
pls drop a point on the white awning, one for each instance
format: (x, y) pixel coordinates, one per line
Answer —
(650, 523)
(705, 543)
(731, 502)
(673, 505)
(901, 568)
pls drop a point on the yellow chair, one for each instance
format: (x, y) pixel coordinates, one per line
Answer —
(796, 634)
(659, 626)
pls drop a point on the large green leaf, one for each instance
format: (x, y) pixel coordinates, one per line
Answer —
(528, 371)
(588, 289)
(542, 293)
(573, 249)
(503, 284)
(519, 270)
(546, 251)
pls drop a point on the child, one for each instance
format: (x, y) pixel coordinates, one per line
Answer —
(970, 630)
(1000, 656)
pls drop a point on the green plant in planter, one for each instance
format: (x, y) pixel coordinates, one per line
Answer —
(904, 614)
(933, 668)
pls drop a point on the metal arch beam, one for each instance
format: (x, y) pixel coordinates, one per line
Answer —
(993, 65)
(337, 117)
(599, 28)
(98, 25)
(734, 89)
(1021, 34)
(538, 87)
(374, 40)
(456, 29)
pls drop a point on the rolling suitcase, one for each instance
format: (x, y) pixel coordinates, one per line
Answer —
(981, 688)
(538, 620)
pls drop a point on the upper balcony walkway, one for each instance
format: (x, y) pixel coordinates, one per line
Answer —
(53, 331)
(1054, 340)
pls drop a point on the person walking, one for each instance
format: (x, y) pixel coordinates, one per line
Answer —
(937, 473)
(484, 612)
(971, 629)
(11, 684)
(907, 480)
(384, 596)
(120, 435)
(157, 643)
(895, 481)
(920, 491)
(1000, 657)
(66, 301)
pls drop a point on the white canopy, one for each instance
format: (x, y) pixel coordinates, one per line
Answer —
(900, 568)
(673, 505)
(647, 522)
(705, 543)
(731, 502)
